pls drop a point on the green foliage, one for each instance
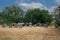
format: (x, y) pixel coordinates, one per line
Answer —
(14, 14)
(58, 22)
(52, 23)
(38, 16)
(11, 15)
(58, 17)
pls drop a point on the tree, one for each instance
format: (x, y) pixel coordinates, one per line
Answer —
(38, 16)
(12, 14)
(57, 17)
(1, 21)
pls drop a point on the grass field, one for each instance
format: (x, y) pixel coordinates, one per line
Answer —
(29, 33)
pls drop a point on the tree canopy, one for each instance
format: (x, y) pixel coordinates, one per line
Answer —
(38, 16)
(14, 14)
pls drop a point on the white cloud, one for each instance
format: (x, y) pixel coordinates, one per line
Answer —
(57, 1)
(21, 1)
(32, 5)
(52, 9)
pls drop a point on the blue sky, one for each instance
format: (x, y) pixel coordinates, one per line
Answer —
(29, 3)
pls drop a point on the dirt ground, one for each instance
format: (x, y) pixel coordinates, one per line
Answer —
(29, 33)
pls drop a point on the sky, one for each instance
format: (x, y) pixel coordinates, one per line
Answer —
(29, 4)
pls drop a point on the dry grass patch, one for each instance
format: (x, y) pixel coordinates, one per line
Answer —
(29, 33)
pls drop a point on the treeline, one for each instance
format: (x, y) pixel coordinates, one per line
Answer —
(15, 14)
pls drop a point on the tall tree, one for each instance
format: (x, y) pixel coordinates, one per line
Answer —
(38, 16)
(57, 17)
(12, 14)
